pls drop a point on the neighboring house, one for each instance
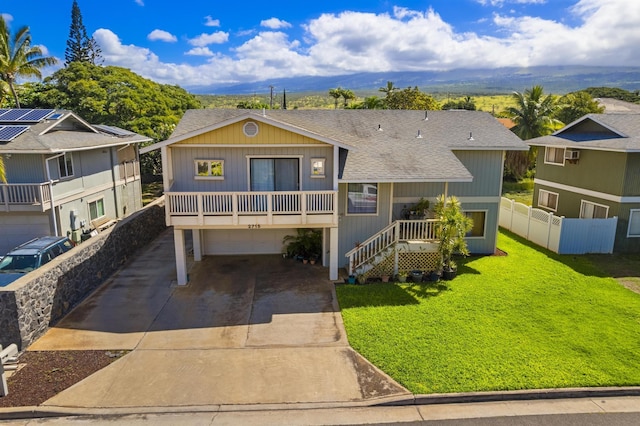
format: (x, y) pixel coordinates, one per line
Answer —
(64, 175)
(242, 180)
(591, 169)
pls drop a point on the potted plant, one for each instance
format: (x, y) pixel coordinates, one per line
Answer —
(420, 209)
(451, 228)
(306, 244)
(385, 277)
(402, 277)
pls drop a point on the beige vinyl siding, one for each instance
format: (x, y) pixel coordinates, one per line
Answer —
(632, 177)
(233, 135)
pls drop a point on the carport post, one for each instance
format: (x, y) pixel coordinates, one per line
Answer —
(333, 254)
(197, 244)
(181, 256)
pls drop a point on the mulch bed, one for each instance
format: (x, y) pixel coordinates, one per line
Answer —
(42, 375)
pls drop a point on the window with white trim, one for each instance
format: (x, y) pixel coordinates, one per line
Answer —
(634, 223)
(96, 209)
(317, 167)
(362, 198)
(554, 156)
(548, 200)
(209, 169)
(479, 218)
(65, 165)
(591, 210)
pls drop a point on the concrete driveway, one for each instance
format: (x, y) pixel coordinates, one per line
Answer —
(247, 330)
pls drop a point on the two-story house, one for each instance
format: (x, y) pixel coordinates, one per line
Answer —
(64, 175)
(591, 169)
(242, 180)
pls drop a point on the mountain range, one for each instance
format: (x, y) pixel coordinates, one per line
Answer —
(554, 79)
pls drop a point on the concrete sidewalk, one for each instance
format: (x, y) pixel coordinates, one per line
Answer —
(517, 410)
(248, 331)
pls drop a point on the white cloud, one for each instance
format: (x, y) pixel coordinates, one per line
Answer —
(274, 24)
(204, 39)
(7, 18)
(402, 40)
(139, 2)
(161, 35)
(200, 51)
(210, 22)
(500, 3)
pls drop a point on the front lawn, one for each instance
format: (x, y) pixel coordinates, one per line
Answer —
(528, 320)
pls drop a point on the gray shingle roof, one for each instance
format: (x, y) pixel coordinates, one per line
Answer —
(612, 132)
(392, 154)
(68, 133)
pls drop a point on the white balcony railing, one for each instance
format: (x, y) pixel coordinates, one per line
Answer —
(25, 194)
(236, 205)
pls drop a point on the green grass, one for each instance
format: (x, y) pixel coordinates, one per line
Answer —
(521, 191)
(528, 320)
(151, 191)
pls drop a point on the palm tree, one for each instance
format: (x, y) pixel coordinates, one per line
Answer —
(388, 89)
(534, 117)
(532, 114)
(336, 94)
(18, 58)
(348, 95)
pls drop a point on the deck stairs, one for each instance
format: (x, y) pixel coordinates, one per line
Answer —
(402, 246)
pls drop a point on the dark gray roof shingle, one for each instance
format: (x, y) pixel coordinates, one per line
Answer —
(393, 153)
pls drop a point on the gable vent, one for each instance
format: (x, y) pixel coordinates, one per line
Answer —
(250, 129)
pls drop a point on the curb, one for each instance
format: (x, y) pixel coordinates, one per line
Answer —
(519, 395)
(16, 413)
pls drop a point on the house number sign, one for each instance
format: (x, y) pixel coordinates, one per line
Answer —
(256, 226)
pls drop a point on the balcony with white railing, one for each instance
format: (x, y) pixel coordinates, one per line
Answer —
(252, 209)
(25, 197)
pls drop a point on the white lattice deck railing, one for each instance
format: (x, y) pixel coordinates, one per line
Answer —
(400, 230)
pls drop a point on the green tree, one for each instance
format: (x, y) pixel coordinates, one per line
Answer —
(614, 93)
(347, 95)
(80, 48)
(370, 102)
(575, 105)
(18, 58)
(115, 96)
(388, 89)
(411, 98)
(534, 115)
(452, 226)
(466, 103)
(336, 94)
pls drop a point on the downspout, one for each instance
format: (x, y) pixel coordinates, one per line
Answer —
(53, 206)
(113, 179)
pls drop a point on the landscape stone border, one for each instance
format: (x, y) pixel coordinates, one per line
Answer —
(33, 303)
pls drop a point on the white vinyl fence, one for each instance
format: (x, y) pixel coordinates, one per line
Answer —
(557, 233)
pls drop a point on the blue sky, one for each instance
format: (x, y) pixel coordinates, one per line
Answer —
(197, 43)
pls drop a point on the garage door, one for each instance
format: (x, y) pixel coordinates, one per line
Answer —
(245, 241)
(16, 230)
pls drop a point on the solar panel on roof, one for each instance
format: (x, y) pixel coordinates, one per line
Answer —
(13, 114)
(36, 115)
(116, 131)
(8, 133)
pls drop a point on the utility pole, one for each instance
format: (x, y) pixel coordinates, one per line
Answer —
(271, 97)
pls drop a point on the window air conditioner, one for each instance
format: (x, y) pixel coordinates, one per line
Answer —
(571, 154)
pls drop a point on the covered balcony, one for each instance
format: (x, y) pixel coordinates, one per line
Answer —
(252, 209)
(25, 197)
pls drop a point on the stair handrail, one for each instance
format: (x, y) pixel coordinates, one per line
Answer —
(373, 246)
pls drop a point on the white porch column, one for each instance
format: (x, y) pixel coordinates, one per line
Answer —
(197, 244)
(325, 260)
(333, 254)
(181, 256)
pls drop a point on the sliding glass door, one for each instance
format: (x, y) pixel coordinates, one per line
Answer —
(275, 174)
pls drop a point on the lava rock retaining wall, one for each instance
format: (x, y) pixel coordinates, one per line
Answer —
(38, 300)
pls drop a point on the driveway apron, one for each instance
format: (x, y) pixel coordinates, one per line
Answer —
(246, 330)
